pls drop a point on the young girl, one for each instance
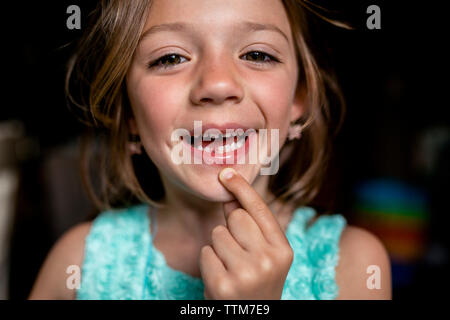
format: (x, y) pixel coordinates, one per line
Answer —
(170, 230)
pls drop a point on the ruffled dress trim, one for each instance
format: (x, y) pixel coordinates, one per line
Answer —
(121, 262)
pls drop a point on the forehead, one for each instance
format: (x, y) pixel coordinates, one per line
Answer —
(211, 16)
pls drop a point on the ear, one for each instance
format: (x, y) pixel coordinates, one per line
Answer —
(299, 104)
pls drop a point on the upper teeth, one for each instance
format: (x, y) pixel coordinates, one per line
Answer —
(228, 147)
(232, 147)
(209, 135)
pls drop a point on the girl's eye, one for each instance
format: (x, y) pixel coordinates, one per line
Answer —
(173, 59)
(166, 61)
(258, 55)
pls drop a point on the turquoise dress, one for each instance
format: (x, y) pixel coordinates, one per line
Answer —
(120, 261)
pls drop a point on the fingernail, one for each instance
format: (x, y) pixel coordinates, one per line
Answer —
(227, 173)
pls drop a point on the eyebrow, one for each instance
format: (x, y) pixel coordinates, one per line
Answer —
(185, 27)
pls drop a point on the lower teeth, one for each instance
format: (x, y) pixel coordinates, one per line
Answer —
(221, 149)
(232, 147)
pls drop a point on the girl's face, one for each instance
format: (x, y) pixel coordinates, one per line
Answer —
(230, 62)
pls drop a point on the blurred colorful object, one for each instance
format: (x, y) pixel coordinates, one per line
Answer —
(397, 213)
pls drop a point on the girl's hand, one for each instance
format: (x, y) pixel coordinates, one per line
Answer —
(251, 257)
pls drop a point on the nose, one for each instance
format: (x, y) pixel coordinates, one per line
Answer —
(216, 83)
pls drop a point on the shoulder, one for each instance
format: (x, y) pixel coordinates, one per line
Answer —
(68, 250)
(364, 270)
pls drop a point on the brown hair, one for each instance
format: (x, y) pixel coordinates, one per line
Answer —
(95, 85)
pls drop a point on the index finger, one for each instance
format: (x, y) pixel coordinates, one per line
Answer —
(252, 203)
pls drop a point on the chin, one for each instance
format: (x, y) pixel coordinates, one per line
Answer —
(205, 184)
(214, 193)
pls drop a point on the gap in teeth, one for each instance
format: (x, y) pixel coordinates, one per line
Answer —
(237, 142)
(212, 138)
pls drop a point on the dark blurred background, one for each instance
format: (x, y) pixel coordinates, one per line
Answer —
(389, 172)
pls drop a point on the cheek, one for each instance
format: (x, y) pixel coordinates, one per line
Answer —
(275, 100)
(155, 107)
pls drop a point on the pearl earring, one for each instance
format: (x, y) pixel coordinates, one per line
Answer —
(134, 144)
(295, 131)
